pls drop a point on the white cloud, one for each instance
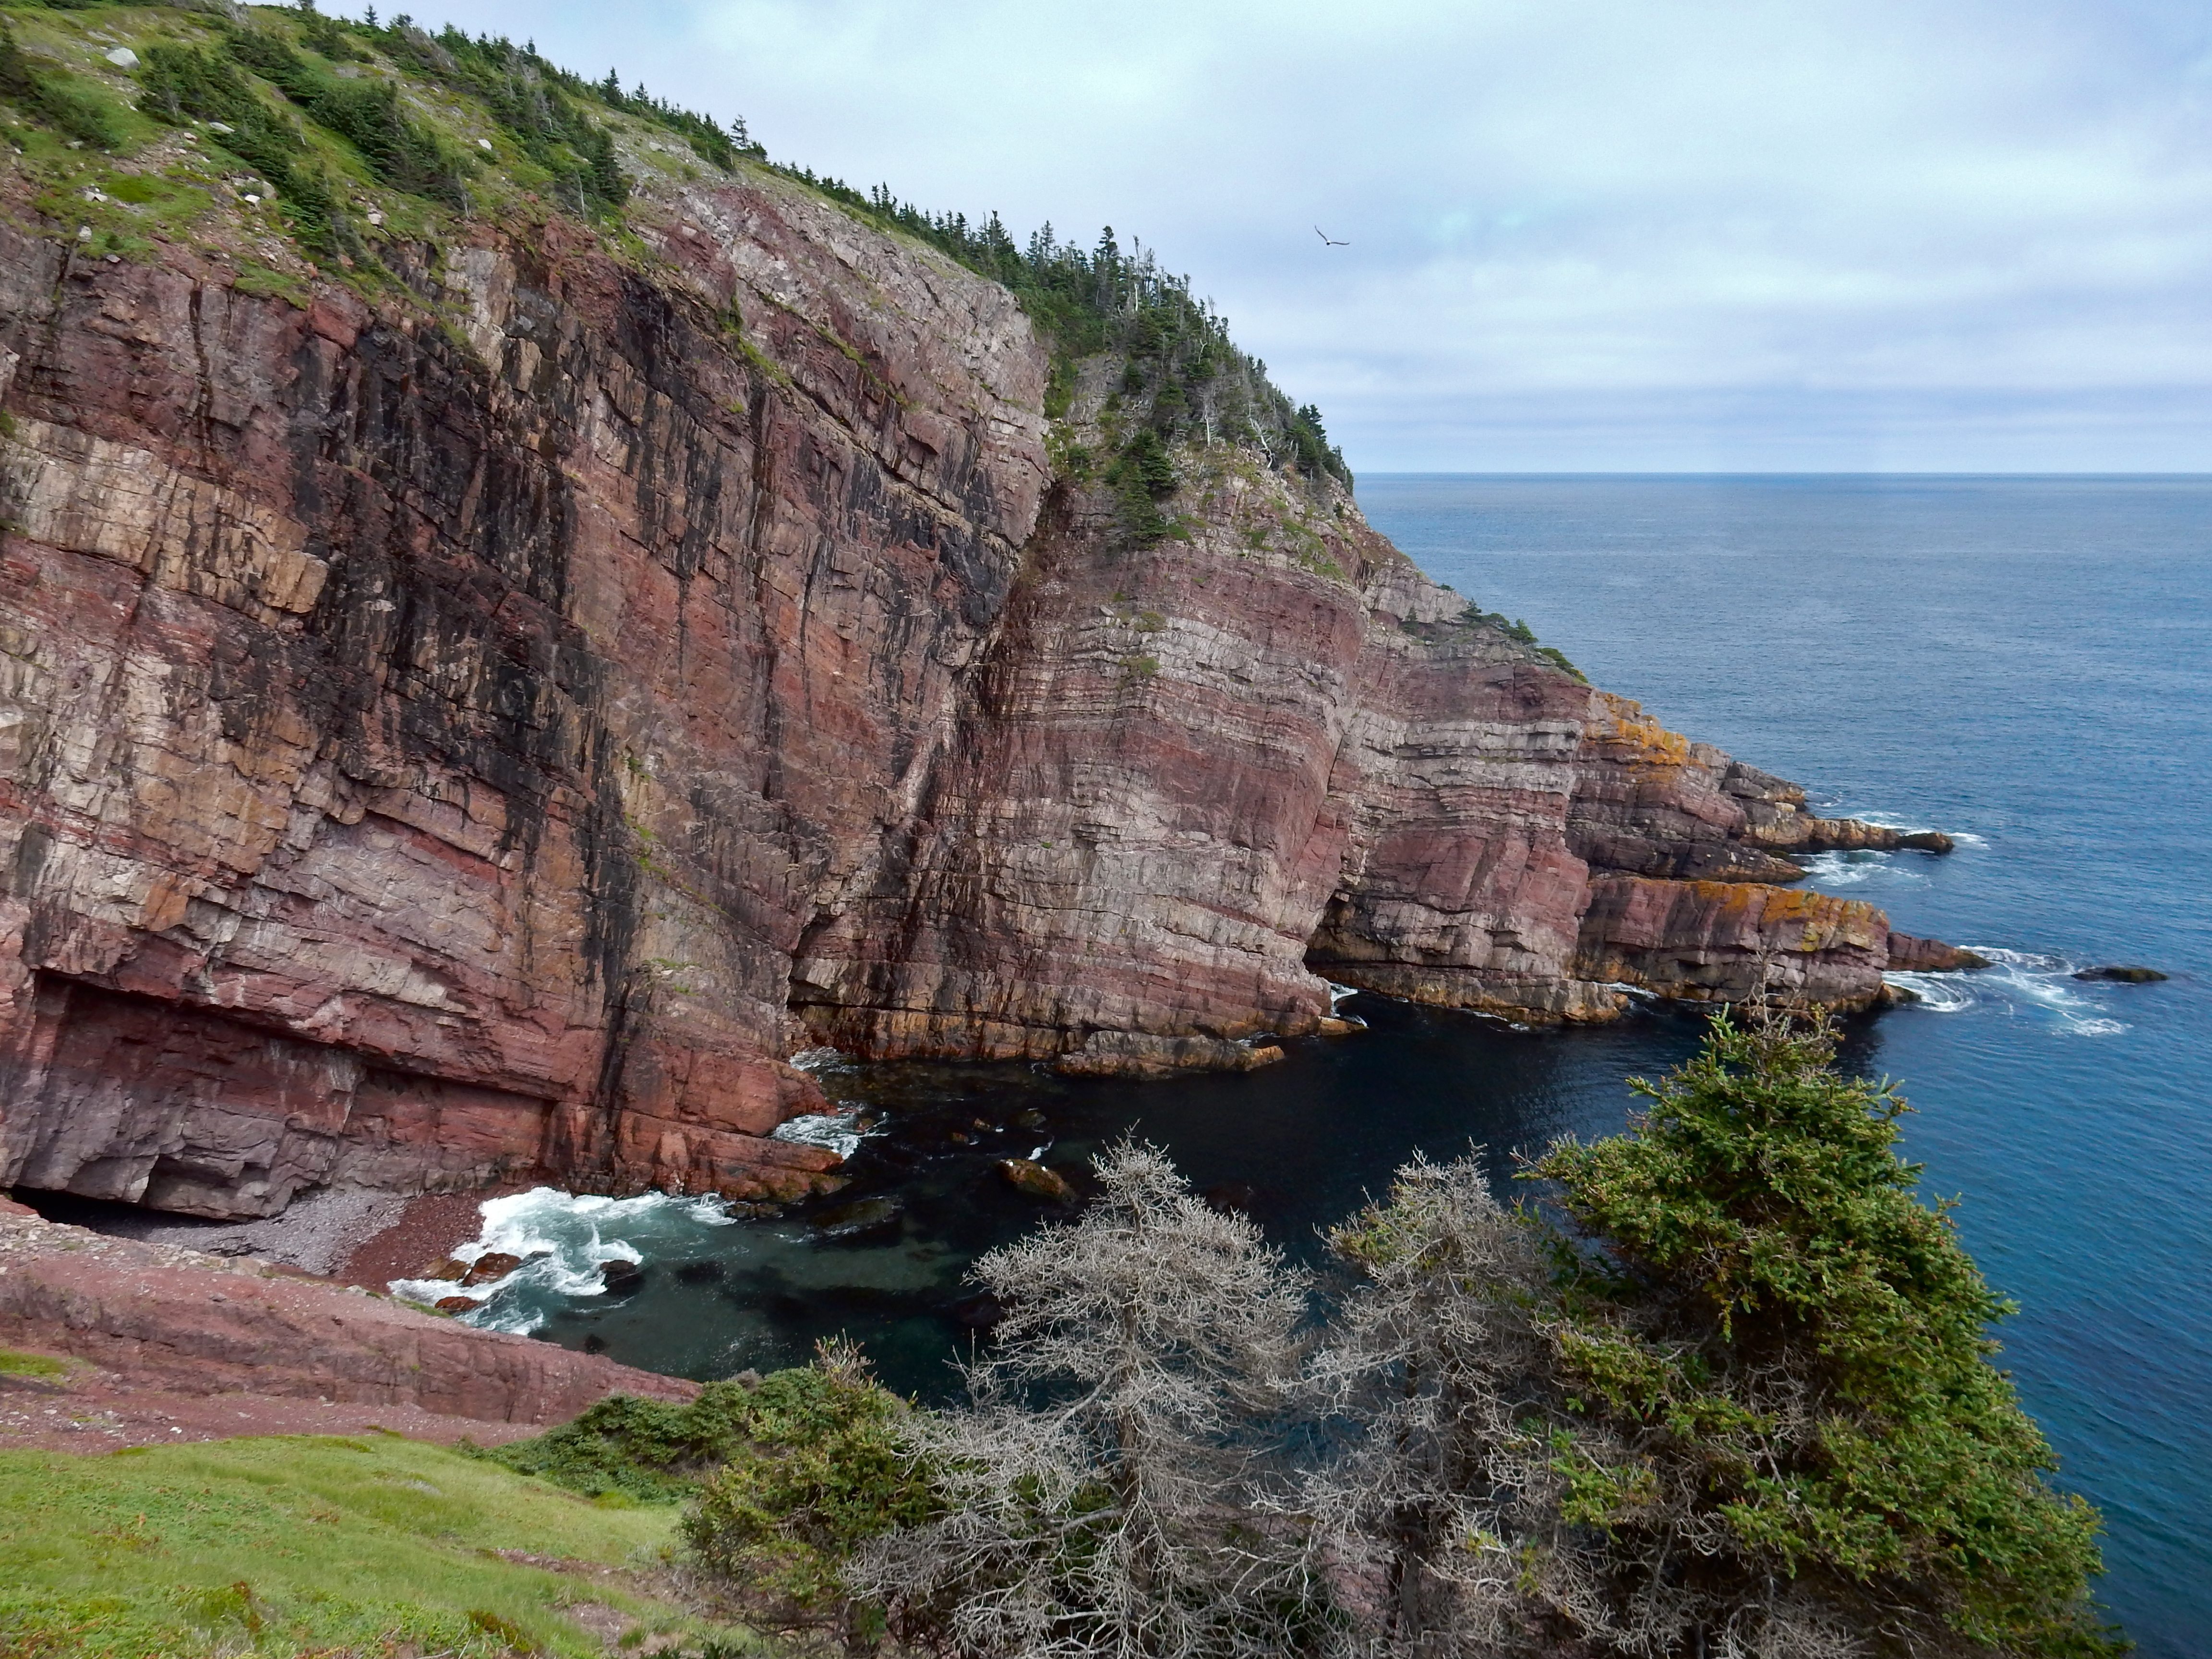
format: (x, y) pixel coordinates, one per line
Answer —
(1687, 207)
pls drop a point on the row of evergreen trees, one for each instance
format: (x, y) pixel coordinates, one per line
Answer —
(545, 109)
(1183, 381)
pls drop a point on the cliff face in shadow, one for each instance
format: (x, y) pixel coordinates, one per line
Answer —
(480, 734)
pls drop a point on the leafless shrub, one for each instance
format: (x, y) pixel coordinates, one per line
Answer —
(1109, 1491)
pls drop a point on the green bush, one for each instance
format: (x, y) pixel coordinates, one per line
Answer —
(649, 1450)
(78, 108)
(823, 1468)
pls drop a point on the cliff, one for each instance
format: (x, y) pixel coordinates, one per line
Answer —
(474, 711)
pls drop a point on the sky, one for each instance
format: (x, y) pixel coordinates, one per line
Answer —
(1584, 235)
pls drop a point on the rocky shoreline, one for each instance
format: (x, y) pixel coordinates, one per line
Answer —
(158, 1342)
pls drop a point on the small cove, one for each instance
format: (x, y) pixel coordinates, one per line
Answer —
(2022, 662)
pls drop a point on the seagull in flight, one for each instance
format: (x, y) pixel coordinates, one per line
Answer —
(1325, 240)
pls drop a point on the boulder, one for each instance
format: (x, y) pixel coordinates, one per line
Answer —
(1029, 1176)
(493, 1264)
(2125, 975)
(977, 1313)
(1931, 955)
(622, 1276)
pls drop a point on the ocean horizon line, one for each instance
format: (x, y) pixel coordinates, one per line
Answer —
(1780, 473)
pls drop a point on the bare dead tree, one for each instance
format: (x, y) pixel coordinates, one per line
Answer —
(1426, 1506)
(1104, 1493)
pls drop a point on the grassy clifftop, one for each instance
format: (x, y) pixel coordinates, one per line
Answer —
(333, 1546)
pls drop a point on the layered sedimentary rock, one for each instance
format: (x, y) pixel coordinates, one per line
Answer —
(483, 733)
(424, 744)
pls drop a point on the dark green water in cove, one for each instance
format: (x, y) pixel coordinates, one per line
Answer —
(2027, 662)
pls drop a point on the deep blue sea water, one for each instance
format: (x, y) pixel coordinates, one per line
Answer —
(2024, 662)
(2028, 660)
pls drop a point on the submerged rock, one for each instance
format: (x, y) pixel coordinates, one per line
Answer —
(1029, 1176)
(2125, 975)
(1231, 1197)
(621, 1277)
(859, 1218)
(977, 1313)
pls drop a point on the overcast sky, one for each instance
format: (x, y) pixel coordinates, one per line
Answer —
(1585, 234)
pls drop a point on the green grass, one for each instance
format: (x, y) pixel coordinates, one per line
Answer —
(31, 1364)
(298, 1545)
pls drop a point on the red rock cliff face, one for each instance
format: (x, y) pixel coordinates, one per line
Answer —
(483, 736)
(424, 747)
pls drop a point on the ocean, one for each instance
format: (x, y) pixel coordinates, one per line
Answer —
(2023, 662)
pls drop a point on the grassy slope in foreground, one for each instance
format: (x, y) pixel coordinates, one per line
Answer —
(295, 1545)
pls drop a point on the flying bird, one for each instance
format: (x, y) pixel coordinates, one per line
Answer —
(1325, 240)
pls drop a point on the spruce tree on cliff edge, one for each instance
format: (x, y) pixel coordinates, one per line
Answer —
(1748, 1410)
(1776, 1367)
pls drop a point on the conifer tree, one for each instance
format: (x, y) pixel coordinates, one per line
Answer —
(1746, 1407)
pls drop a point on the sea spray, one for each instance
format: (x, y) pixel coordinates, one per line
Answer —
(564, 1240)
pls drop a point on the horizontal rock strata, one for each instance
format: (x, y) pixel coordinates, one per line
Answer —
(480, 739)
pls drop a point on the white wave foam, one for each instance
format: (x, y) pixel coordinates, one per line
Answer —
(2047, 982)
(2014, 983)
(820, 1059)
(1939, 993)
(1337, 994)
(1855, 869)
(1642, 993)
(563, 1238)
(839, 1132)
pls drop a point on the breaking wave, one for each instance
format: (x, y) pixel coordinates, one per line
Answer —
(1859, 867)
(564, 1240)
(1939, 993)
(839, 1132)
(2016, 982)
